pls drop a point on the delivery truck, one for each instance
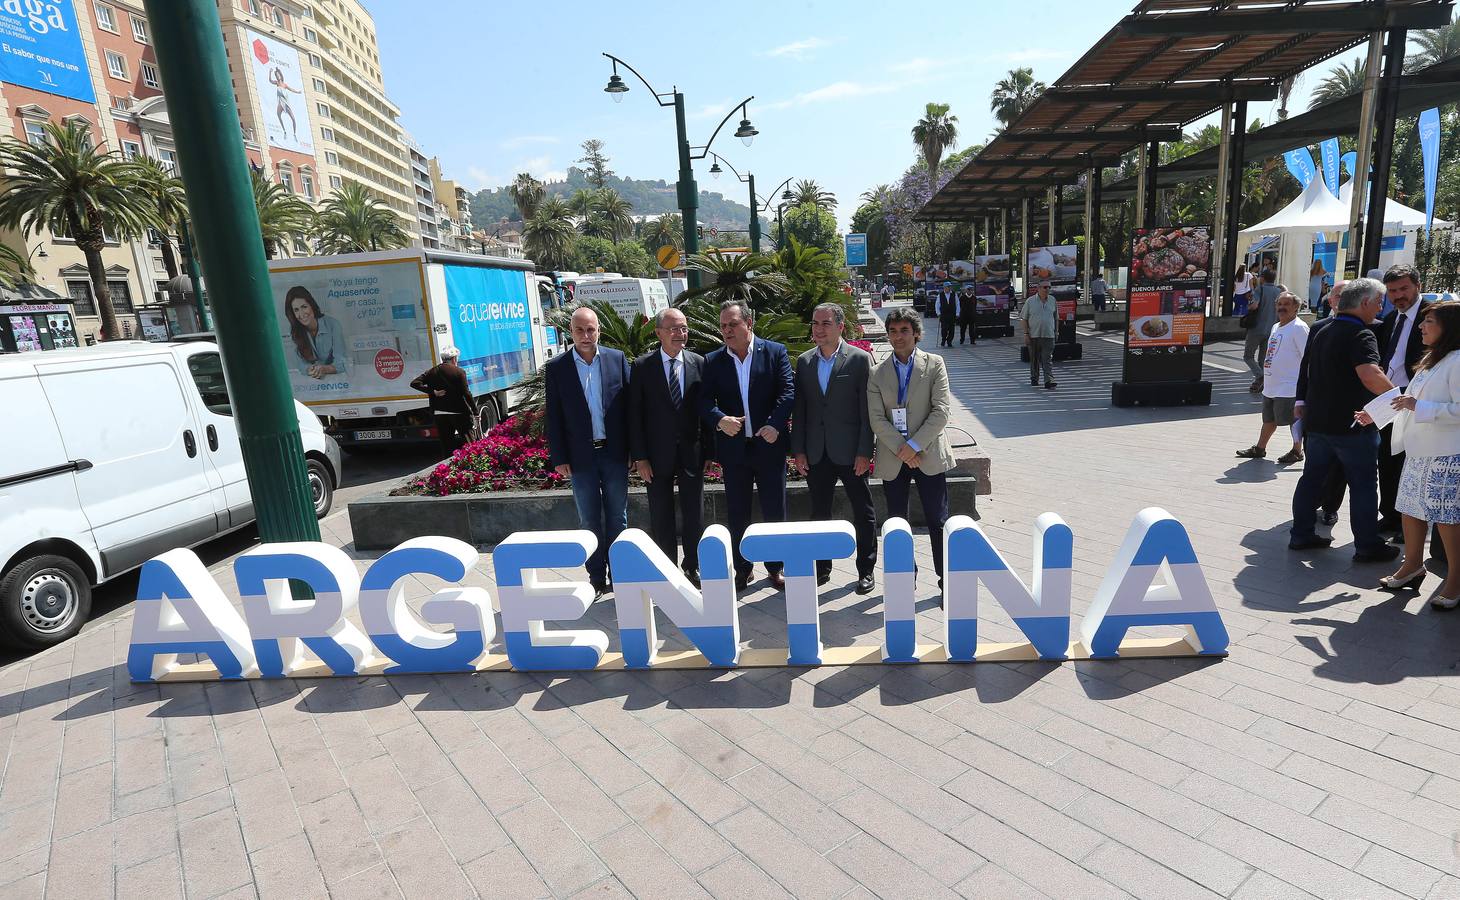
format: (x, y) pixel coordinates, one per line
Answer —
(628, 296)
(357, 328)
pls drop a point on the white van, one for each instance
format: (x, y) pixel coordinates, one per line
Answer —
(118, 452)
(628, 296)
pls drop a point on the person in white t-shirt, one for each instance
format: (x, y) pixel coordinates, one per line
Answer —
(1284, 357)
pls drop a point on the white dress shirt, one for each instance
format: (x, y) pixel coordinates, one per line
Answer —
(1398, 374)
(742, 374)
(664, 358)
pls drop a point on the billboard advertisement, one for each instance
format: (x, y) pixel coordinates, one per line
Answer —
(276, 72)
(491, 323)
(1168, 294)
(856, 249)
(353, 332)
(1060, 267)
(40, 48)
(990, 277)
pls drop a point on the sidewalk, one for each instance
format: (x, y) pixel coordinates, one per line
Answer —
(1315, 760)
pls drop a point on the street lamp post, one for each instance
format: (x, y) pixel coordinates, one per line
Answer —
(689, 193)
(786, 197)
(755, 207)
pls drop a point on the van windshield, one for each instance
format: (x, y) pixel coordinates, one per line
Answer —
(207, 372)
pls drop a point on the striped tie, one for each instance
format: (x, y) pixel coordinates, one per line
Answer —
(675, 396)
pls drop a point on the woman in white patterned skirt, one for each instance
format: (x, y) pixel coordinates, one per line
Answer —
(1427, 431)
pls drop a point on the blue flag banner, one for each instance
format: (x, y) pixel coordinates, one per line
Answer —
(1429, 148)
(1350, 161)
(1328, 152)
(1300, 163)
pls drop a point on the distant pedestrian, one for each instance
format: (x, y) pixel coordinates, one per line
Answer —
(1261, 316)
(1097, 292)
(1280, 380)
(1040, 327)
(453, 407)
(947, 309)
(967, 321)
(1242, 285)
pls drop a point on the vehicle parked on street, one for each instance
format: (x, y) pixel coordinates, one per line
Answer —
(628, 296)
(122, 451)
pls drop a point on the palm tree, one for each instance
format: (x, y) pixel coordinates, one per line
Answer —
(526, 192)
(748, 277)
(1013, 94)
(582, 203)
(70, 187)
(808, 191)
(935, 132)
(1341, 81)
(353, 220)
(877, 194)
(282, 216)
(616, 212)
(170, 201)
(665, 231)
(548, 235)
(15, 267)
(1435, 45)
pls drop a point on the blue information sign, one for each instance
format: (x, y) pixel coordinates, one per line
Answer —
(490, 324)
(40, 48)
(856, 249)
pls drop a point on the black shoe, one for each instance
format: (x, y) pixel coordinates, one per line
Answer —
(1328, 518)
(600, 590)
(694, 577)
(1050, 385)
(742, 580)
(1312, 543)
(822, 578)
(1034, 384)
(865, 584)
(1382, 553)
(778, 581)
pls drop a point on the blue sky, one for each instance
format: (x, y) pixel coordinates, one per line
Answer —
(499, 88)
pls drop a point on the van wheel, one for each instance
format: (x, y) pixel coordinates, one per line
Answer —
(43, 601)
(490, 417)
(321, 487)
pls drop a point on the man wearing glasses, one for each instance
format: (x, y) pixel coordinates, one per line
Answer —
(831, 433)
(666, 438)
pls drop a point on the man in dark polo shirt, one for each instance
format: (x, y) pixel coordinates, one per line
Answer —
(1343, 364)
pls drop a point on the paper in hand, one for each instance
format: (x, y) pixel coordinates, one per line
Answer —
(1381, 408)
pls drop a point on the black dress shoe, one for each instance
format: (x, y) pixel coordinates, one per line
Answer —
(778, 581)
(822, 578)
(865, 584)
(1377, 554)
(694, 576)
(742, 580)
(600, 590)
(1312, 543)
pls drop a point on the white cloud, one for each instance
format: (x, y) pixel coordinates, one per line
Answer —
(837, 90)
(712, 110)
(797, 49)
(922, 66)
(523, 140)
(478, 178)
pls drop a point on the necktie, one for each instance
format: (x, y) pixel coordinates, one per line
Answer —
(675, 396)
(1394, 340)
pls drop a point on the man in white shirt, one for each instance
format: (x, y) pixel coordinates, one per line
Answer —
(1281, 365)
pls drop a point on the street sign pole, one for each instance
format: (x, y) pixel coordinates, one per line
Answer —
(188, 38)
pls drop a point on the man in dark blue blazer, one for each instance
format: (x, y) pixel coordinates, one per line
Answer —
(747, 395)
(587, 427)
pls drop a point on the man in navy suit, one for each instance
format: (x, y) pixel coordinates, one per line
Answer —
(1400, 350)
(747, 395)
(587, 425)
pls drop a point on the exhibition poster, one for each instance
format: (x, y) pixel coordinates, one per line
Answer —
(1168, 294)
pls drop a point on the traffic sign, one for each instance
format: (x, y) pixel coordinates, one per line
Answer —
(668, 257)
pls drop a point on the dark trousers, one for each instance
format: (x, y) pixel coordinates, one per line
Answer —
(1390, 468)
(1356, 453)
(933, 493)
(602, 496)
(454, 431)
(1333, 489)
(662, 522)
(766, 473)
(967, 330)
(946, 324)
(821, 479)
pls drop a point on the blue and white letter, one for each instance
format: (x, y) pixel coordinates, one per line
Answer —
(1042, 614)
(394, 629)
(181, 609)
(526, 602)
(799, 545)
(643, 578)
(279, 623)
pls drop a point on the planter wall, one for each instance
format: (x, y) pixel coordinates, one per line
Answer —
(380, 522)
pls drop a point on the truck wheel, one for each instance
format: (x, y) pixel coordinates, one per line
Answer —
(321, 487)
(43, 601)
(490, 416)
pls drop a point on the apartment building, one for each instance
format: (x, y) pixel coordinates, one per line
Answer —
(455, 211)
(311, 103)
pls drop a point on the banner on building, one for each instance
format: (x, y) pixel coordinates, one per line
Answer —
(279, 79)
(1168, 293)
(491, 325)
(40, 48)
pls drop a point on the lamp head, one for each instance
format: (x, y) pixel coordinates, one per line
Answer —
(746, 132)
(715, 170)
(616, 87)
(787, 196)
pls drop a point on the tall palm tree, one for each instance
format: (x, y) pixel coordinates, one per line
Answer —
(808, 191)
(1013, 94)
(749, 277)
(1341, 81)
(70, 187)
(617, 213)
(526, 192)
(877, 194)
(582, 203)
(548, 235)
(169, 200)
(935, 132)
(1435, 45)
(665, 231)
(282, 215)
(353, 220)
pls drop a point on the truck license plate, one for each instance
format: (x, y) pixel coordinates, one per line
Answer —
(372, 435)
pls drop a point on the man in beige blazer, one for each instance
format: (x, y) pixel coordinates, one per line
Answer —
(908, 403)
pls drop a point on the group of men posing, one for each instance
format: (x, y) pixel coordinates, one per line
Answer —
(746, 406)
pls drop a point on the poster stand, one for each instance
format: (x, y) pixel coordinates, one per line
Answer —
(992, 292)
(1061, 266)
(1165, 322)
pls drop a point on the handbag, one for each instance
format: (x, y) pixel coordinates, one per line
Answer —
(1249, 318)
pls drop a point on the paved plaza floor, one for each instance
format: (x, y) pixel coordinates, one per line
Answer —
(1317, 759)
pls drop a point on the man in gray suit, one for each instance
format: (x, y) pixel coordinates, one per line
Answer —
(831, 433)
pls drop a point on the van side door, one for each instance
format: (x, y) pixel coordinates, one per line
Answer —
(209, 392)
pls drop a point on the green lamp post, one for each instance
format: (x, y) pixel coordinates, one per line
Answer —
(755, 208)
(689, 192)
(786, 197)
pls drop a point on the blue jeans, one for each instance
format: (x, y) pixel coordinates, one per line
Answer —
(602, 497)
(1358, 455)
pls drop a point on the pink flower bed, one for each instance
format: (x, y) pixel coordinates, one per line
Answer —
(510, 458)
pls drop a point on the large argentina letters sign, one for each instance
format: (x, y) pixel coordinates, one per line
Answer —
(1153, 580)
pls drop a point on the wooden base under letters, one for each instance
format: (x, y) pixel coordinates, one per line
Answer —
(870, 654)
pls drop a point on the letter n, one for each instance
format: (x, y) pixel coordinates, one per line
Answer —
(1043, 614)
(643, 578)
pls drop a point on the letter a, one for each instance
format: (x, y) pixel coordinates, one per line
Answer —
(180, 609)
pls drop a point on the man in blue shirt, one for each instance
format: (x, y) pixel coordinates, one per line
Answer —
(587, 425)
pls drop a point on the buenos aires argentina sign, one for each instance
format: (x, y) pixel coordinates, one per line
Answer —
(1154, 579)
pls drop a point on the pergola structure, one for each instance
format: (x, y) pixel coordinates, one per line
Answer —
(1165, 65)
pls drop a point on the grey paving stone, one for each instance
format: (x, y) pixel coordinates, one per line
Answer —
(586, 809)
(461, 818)
(1152, 838)
(266, 810)
(381, 793)
(418, 759)
(287, 869)
(884, 871)
(784, 857)
(560, 857)
(506, 873)
(904, 832)
(643, 867)
(374, 883)
(738, 877)
(685, 836)
(339, 837)
(157, 879)
(213, 857)
(1028, 860)
(691, 783)
(421, 864)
